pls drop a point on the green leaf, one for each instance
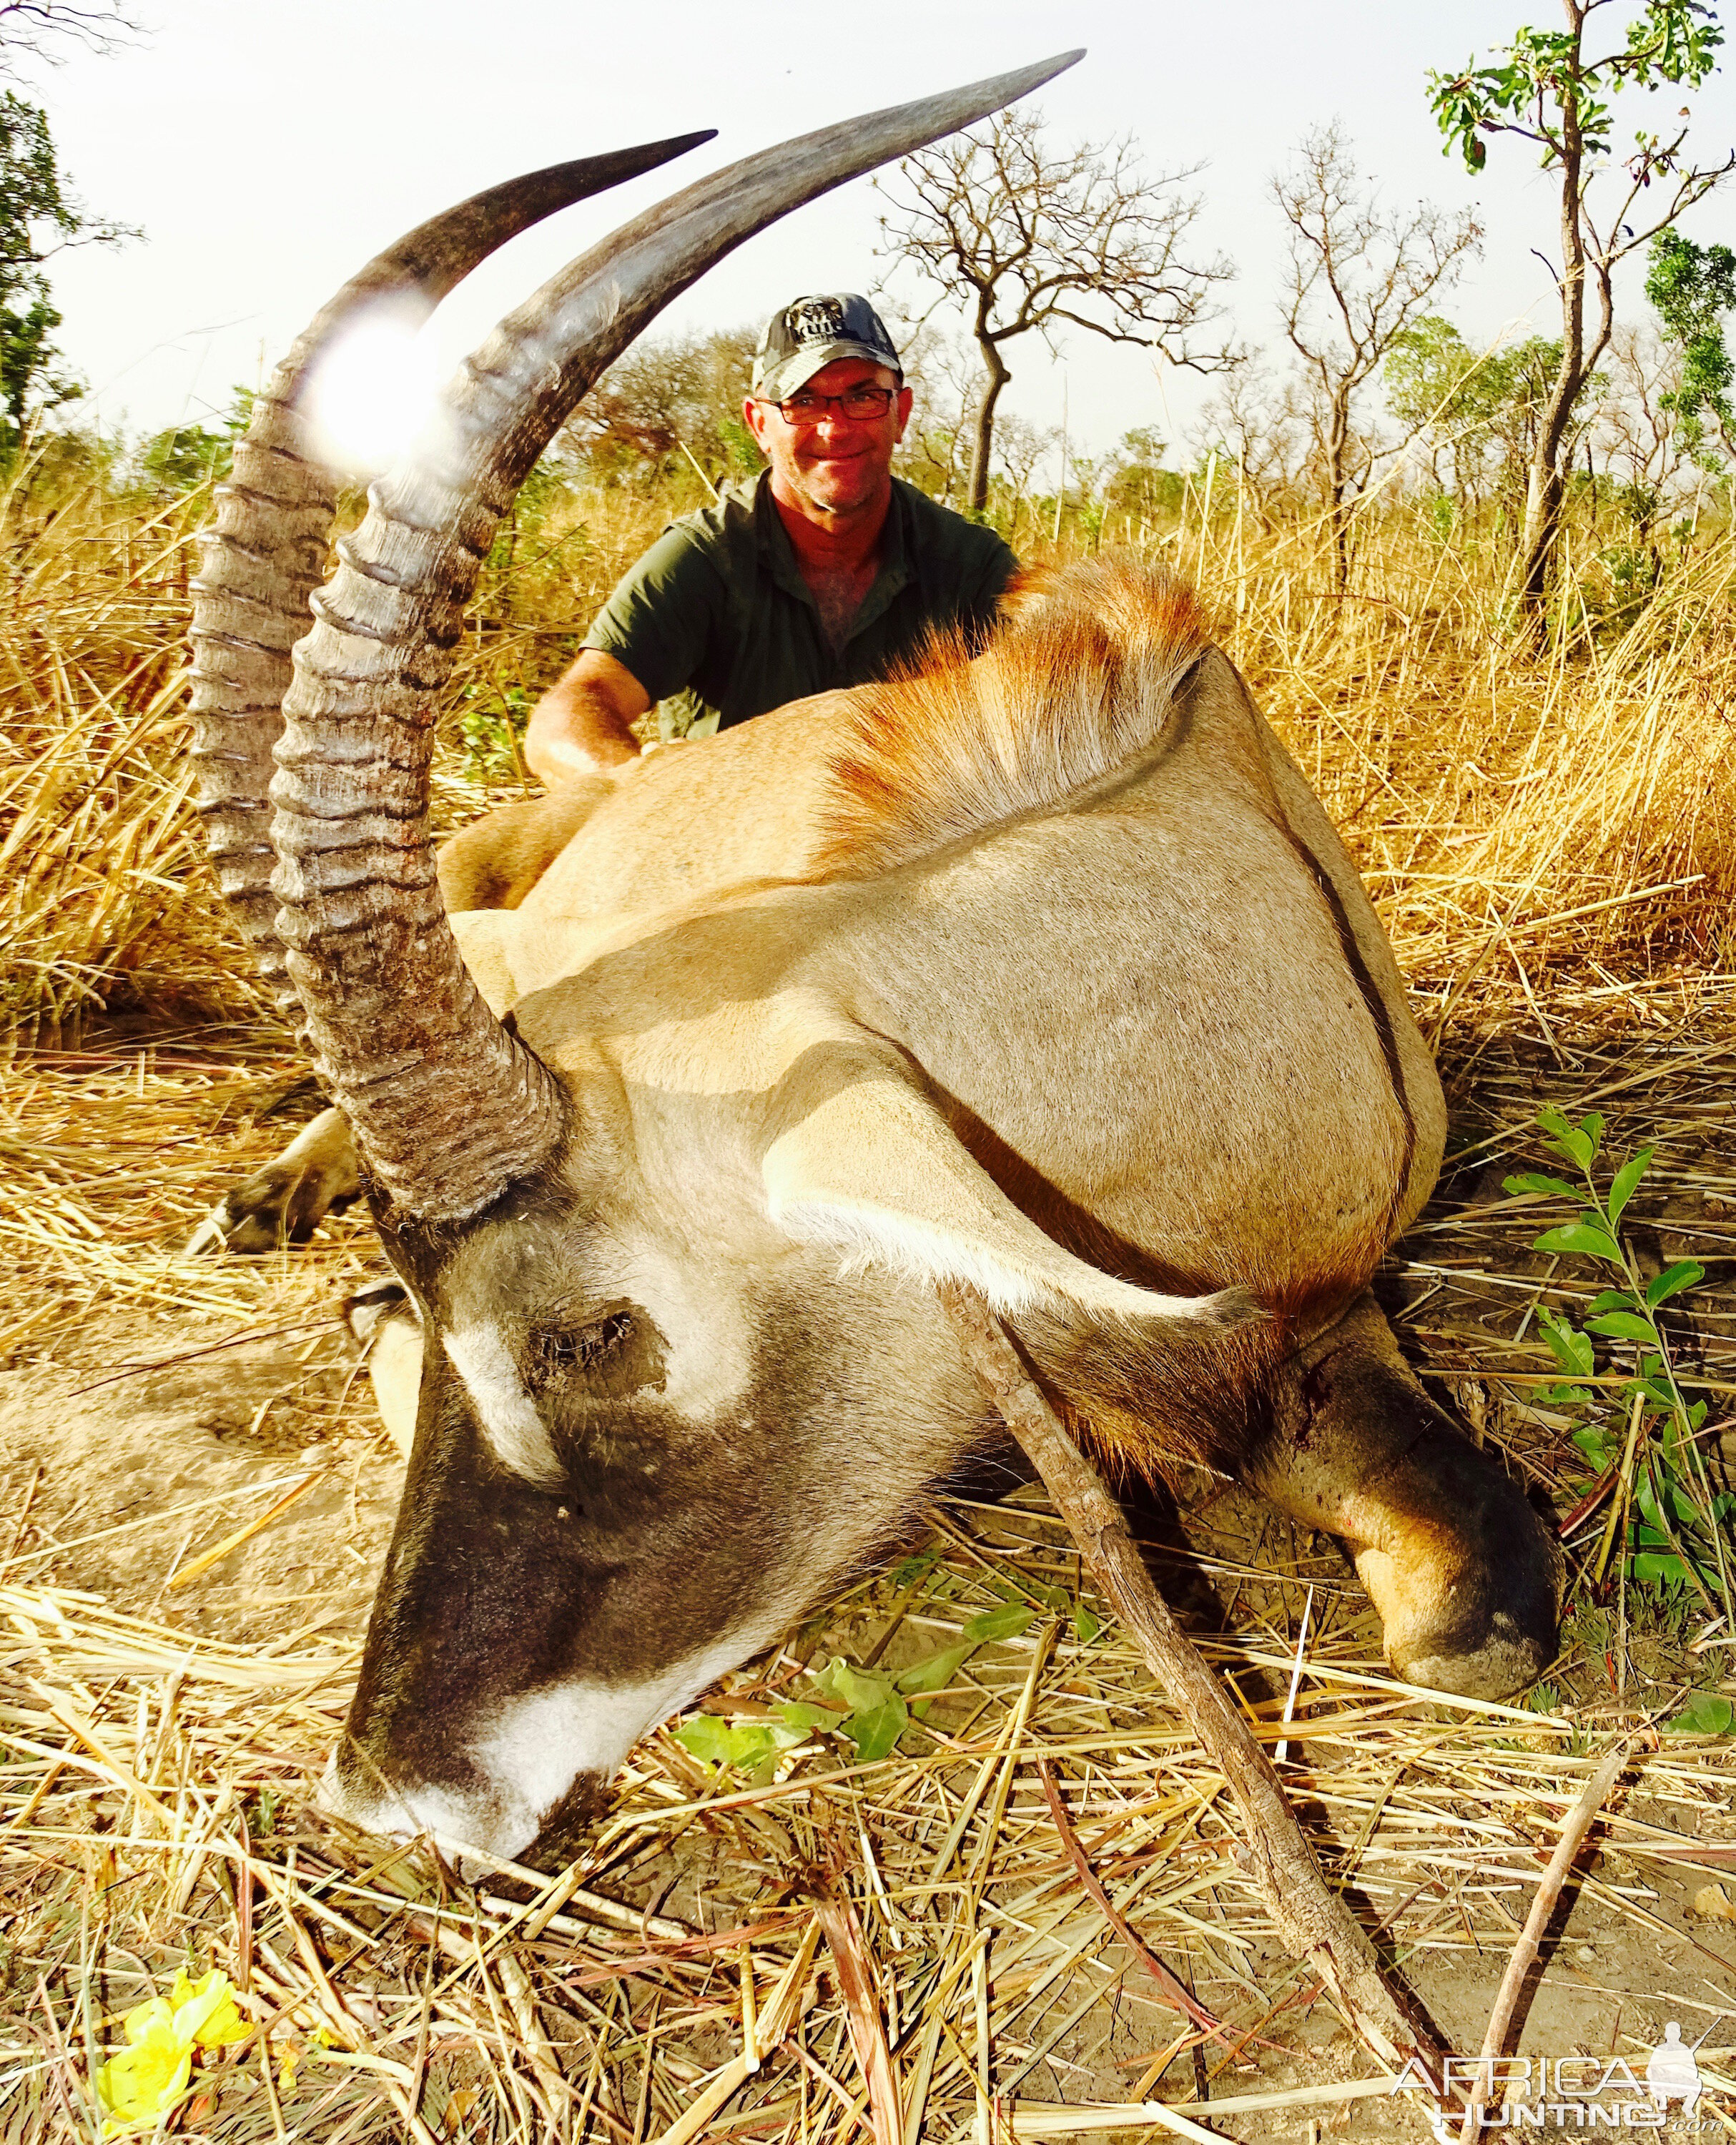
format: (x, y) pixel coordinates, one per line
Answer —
(706, 1737)
(1705, 1713)
(1689, 1515)
(1590, 1239)
(860, 1689)
(1594, 1442)
(934, 1674)
(875, 1731)
(746, 1745)
(801, 1718)
(878, 1715)
(1686, 1273)
(1622, 1326)
(1086, 1625)
(1627, 1180)
(1578, 1142)
(1645, 1496)
(1005, 1623)
(758, 1750)
(1569, 1347)
(1609, 1299)
(1552, 1187)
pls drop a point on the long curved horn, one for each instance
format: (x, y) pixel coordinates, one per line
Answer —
(264, 553)
(447, 1107)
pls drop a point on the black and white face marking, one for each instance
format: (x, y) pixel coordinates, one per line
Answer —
(505, 1412)
(535, 1753)
(634, 1467)
(612, 1354)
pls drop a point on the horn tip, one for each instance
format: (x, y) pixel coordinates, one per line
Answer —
(1047, 70)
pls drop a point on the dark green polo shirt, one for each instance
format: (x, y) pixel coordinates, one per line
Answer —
(717, 623)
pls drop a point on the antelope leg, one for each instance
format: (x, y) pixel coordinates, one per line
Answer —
(285, 1201)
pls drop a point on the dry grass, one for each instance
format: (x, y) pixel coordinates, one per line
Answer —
(97, 844)
(1513, 813)
(159, 1782)
(1550, 841)
(105, 900)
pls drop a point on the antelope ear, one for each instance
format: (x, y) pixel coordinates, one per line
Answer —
(860, 1159)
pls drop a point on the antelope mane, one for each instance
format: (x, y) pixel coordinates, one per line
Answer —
(1079, 677)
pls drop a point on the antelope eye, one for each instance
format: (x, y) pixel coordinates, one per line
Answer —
(566, 1351)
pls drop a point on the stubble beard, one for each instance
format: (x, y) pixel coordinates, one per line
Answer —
(842, 491)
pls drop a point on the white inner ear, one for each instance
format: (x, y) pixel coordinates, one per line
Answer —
(874, 1170)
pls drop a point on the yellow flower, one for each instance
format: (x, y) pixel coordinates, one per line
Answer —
(149, 2077)
(318, 2039)
(204, 2011)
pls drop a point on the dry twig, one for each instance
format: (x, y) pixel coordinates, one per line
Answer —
(1313, 1920)
(1580, 1818)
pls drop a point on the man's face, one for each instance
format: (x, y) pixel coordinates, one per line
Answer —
(835, 466)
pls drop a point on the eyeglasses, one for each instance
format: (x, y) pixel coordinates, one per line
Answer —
(862, 405)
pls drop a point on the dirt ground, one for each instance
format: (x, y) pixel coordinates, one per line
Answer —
(134, 1445)
(146, 1447)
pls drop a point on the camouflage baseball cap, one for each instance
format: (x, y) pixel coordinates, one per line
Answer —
(811, 333)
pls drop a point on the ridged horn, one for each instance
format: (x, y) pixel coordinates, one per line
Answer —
(447, 1107)
(265, 553)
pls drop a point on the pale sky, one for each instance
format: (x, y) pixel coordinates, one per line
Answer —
(266, 152)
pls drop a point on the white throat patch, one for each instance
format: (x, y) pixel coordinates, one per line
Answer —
(509, 1417)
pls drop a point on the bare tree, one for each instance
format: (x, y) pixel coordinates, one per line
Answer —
(1358, 276)
(1030, 239)
(1648, 471)
(1546, 88)
(1260, 426)
(667, 405)
(938, 370)
(51, 29)
(1019, 446)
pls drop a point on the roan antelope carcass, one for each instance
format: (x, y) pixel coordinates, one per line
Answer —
(1042, 970)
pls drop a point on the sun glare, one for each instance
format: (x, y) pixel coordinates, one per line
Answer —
(373, 391)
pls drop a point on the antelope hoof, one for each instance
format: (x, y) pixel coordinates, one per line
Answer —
(1470, 1593)
(279, 1206)
(286, 1202)
(1466, 1577)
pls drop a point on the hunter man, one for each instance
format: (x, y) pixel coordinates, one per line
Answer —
(825, 573)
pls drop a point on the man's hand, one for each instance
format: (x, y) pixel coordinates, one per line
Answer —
(581, 726)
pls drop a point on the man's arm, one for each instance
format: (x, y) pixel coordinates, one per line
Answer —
(580, 725)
